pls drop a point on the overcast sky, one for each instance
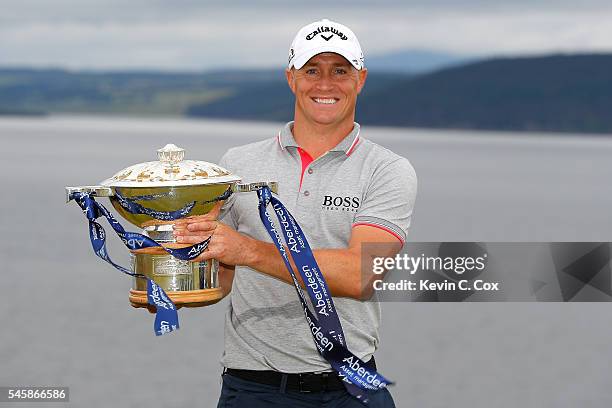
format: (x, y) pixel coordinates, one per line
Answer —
(198, 35)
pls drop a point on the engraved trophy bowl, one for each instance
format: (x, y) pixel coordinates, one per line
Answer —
(151, 196)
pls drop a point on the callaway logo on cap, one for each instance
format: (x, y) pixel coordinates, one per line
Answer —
(324, 36)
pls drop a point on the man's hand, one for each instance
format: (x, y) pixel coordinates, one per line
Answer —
(185, 236)
(226, 245)
(212, 215)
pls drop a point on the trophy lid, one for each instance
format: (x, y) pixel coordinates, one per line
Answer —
(170, 170)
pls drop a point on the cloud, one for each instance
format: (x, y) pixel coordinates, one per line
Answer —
(196, 35)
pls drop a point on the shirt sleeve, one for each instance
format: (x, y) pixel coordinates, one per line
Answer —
(389, 200)
(227, 215)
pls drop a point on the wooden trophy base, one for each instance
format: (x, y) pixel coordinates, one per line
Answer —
(190, 298)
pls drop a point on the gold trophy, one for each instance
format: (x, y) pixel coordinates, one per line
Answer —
(152, 196)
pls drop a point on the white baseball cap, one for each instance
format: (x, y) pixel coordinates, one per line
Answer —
(325, 36)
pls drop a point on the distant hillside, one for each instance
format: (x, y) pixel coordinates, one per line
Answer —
(554, 93)
(566, 93)
(60, 91)
(563, 93)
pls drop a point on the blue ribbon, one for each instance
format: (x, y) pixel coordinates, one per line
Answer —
(166, 318)
(131, 206)
(324, 324)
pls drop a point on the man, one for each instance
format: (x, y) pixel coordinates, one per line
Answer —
(344, 191)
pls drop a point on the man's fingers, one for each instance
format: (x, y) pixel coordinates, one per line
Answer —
(182, 222)
(200, 226)
(206, 255)
(208, 226)
(191, 239)
(212, 215)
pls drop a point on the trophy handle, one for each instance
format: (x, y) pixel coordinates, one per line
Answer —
(246, 188)
(98, 191)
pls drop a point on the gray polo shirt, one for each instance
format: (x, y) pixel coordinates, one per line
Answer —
(357, 182)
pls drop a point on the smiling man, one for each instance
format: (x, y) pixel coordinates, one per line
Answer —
(344, 190)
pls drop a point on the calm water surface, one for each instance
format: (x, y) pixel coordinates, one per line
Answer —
(66, 319)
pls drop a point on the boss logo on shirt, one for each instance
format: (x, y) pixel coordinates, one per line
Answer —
(340, 203)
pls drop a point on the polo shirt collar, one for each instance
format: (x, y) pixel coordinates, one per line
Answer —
(346, 145)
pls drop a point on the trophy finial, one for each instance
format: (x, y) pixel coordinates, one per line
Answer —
(170, 154)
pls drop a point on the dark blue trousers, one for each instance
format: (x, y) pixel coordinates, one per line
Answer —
(240, 393)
